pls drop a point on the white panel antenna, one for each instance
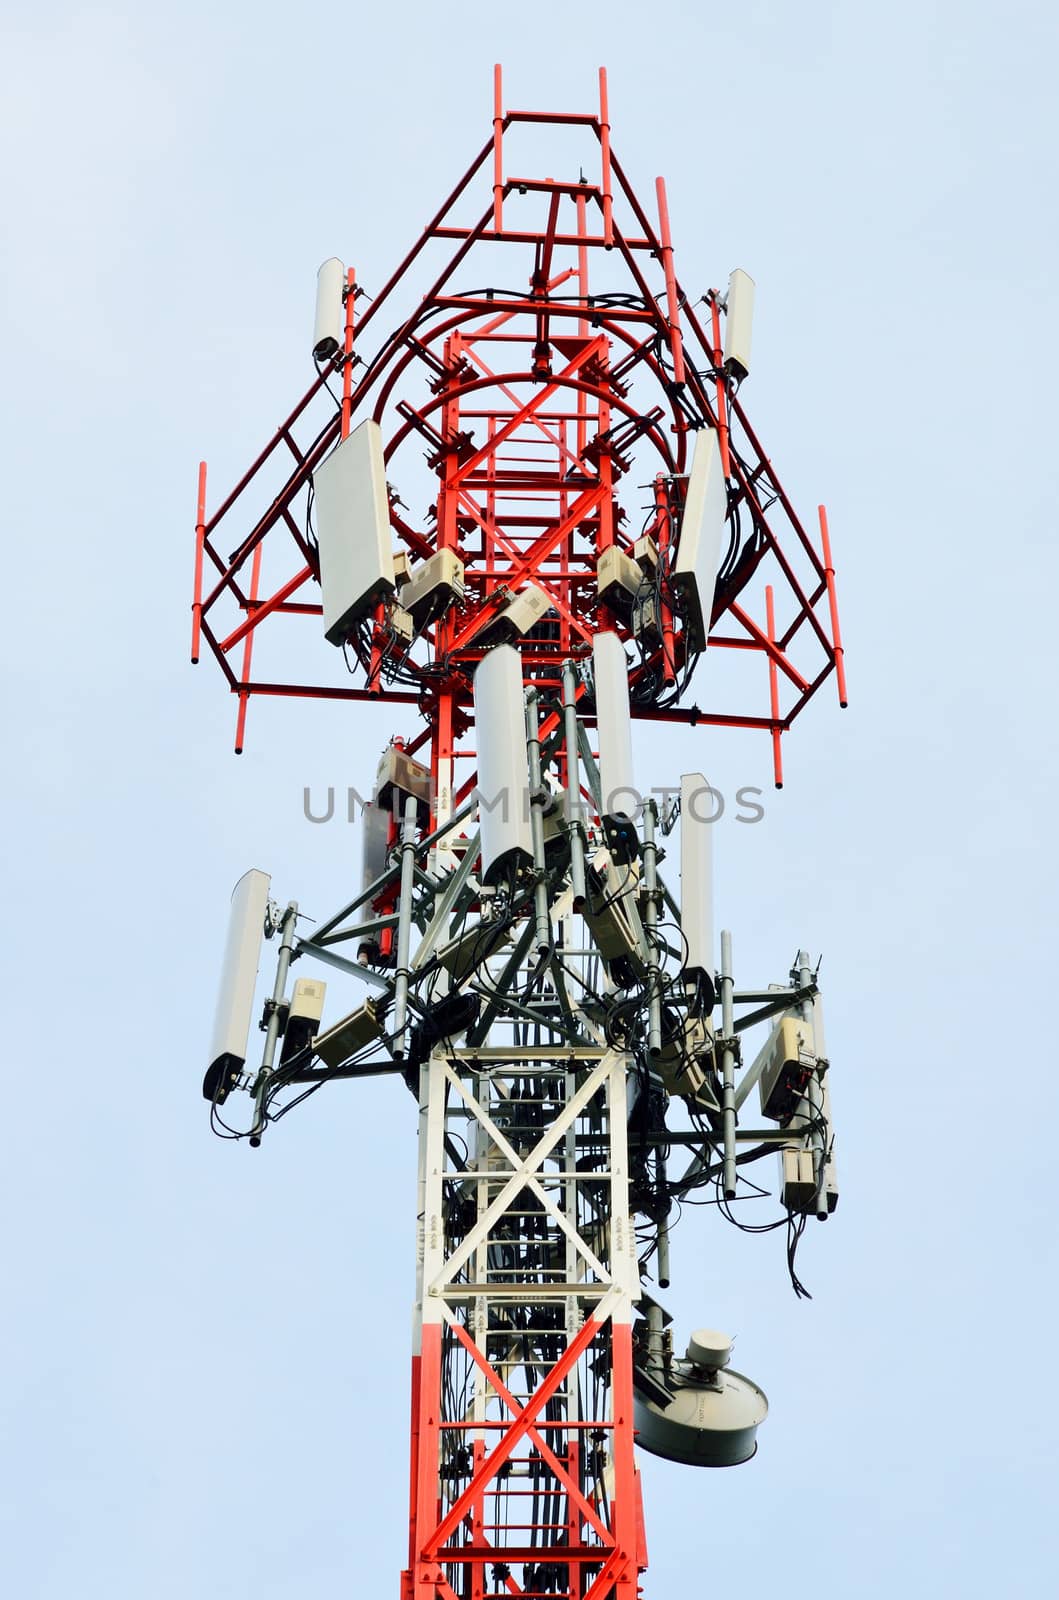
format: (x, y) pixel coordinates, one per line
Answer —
(739, 323)
(503, 763)
(235, 999)
(329, 327)
(375, 842)
(619, 799)
(830, 1170)
(696, 872)
(701, 532)
(353, 530)
(375, 850)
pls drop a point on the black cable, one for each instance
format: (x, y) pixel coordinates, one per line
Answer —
(320, 366)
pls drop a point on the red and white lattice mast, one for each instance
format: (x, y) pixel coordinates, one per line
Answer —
(521, 497)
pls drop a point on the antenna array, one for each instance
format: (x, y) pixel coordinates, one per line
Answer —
(452, 503)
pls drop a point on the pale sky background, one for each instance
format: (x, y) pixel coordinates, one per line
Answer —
(205, 1349)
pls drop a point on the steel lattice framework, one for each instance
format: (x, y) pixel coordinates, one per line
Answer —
(538, 402)
(522, 1383)
(532, 423)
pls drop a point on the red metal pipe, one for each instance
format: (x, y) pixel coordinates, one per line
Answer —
(672, 295)
(413, 1465)
(498, 149)
(766, 641)
(296, 481)
(529, 407)
(587, 118)
(593, 390)
(313, 389)
(722, 410)
(429, 232)
(316, 691)
(604, 140)
(832, 600)
(736, 409)
(524, 236)
(514, 544)
(666, 618)
(626, 1511)
(377, 636)
(258, 612)
(524, 1422)
(568, 1422)
(248, 650)
(347, 350)
(774, 692)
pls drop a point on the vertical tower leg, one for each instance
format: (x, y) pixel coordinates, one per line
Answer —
(523, 1481)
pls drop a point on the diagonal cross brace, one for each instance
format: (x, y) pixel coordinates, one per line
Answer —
(480, 1229)
(595, 346)
(547, 1454)
(541, 1150)
(524, 1421)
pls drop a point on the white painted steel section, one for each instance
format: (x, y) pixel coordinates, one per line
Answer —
(696, 871)
(353, 530)
(739, 322)
(431, 1241)
(329, 326)
(242, 956)
(523, 1166)
(701, 532)
(523, 1169)
(624, 1266)
(606, 1278)
(611, 673)
(503, 766)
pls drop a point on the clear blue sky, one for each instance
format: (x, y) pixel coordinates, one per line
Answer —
(205, 1349)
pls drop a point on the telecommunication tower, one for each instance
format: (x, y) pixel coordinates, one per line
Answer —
(522, 498)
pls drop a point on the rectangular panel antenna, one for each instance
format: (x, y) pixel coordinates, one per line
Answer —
(375, 842)
(503, 763)
(738, 323)
(235, 998)
(329, 325)
(353, 530)
(610, 670)
(701, 532)
(696, 872)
